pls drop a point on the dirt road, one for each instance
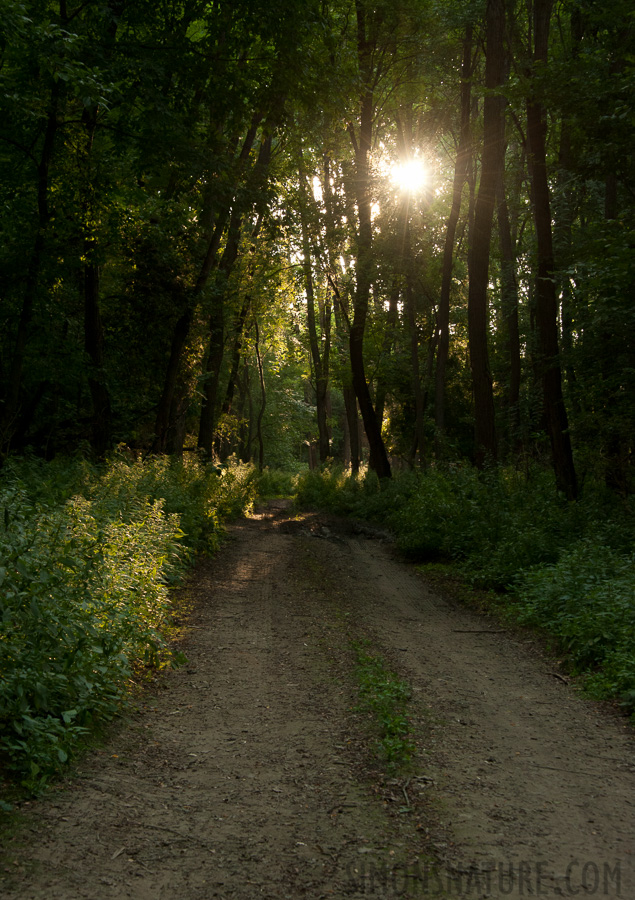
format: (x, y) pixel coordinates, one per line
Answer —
(247, 772)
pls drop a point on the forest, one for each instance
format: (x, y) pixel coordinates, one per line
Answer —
(385, 244)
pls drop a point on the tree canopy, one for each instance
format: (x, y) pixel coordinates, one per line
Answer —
(395, 232)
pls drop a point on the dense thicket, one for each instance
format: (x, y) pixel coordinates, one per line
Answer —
(205, 240)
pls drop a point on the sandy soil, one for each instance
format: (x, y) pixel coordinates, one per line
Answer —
(249, 773)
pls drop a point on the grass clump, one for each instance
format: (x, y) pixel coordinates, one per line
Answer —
(383, 697)
(84, 590)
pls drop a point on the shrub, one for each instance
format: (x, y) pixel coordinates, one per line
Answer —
(84, 589)
(587, 599)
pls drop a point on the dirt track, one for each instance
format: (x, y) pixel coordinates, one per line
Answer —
(247, 774)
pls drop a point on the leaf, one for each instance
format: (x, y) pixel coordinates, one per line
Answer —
(178, 659)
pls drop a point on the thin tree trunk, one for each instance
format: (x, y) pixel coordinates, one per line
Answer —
(460, 174)
(235, 363)
(546, 299)
(479, 253)
(415, 366)
(381, 390)
(178, 419)
(352, 426)
(351, 429)
(216, 350)
(364, 268)
(182, 328)
(217, 317)
(509, 302)
(319, 368)
(263, 402)
(223, 444)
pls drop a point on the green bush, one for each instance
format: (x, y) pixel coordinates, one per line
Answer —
(327, 489)
(274, 483)
(587, 599)
(84, 596)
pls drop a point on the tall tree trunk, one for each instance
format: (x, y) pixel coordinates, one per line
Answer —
(460, 174)
(388, 341)
(223, 446)
(364, 269)
(318, 359)
(509, 302)
(415, 366)
(182, 328)
(478, 257)
(178, 418)
(170, 381)
(263, 401)
(236, 351)
(546, 299)
(351, 429)
(216, 349)
(32, 273)
(418, 447)
(217, 317)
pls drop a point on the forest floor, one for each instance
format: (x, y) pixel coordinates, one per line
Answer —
(249, 772)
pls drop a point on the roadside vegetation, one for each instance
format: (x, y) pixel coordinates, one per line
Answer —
(88, 557)
(565, 568)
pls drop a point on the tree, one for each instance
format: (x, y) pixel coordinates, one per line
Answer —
(461, 167)
(319, 356)
(546, 300)
(485, 444)
(369, 55)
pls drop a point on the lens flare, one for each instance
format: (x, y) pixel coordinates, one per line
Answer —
(409, 177)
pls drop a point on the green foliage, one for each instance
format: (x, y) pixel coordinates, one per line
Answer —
(334, 490)
(587, 598)
(384, 698)
(84, 581)
(274, 483)
(566, 567)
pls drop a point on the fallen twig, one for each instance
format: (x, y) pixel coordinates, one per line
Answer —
(405, 792)
(479, 631)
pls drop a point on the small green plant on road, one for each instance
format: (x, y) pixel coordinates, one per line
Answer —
(384, 697)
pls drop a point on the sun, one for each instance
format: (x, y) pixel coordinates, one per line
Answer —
(409, 177)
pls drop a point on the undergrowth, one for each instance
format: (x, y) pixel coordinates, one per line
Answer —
(566, 568)
(87, 558)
